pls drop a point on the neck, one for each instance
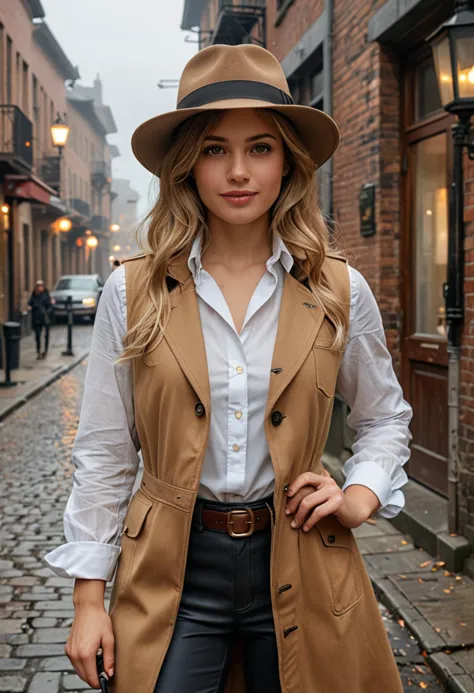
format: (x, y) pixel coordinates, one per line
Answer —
(238, 246)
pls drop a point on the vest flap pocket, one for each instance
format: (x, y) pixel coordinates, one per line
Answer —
(333, 534)
(136, 516)
(327, 367)
(339, 563)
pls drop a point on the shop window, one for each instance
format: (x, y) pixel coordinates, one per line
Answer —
(426, 92)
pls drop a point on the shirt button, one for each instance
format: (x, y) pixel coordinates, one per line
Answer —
(236, 447)
(239, 369)
(238, 414)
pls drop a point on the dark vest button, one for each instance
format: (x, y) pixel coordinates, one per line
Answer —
(277, 418)
(331, 538)
(199, 409)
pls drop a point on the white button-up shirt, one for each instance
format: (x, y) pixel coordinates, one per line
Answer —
(237, 465)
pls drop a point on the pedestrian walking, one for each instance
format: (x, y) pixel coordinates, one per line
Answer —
(218, 353)
(41, 307)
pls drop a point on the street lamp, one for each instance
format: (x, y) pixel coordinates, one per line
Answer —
(59, 135)
(64, 224)
(114, 227)
(453, 53)
(91, 242)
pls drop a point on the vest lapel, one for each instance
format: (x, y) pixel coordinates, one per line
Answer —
(184, 334)
(299, 323)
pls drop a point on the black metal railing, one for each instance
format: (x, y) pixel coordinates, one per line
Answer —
(99, 223)
(16, 136)
(80, 206)
(100, 173)
(48, 169)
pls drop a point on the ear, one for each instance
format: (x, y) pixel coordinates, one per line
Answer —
(286, 170)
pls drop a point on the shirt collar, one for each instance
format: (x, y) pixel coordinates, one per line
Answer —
(279, 253)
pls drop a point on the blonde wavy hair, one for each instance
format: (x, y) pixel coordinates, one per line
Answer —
(178, 216)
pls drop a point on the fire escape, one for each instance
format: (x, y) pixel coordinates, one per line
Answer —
(240, 21)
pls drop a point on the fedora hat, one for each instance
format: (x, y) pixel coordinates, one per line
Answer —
(222, 77)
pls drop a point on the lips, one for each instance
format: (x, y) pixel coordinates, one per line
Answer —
(239, 193)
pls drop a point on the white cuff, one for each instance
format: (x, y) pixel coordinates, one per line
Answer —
(371, 474)
(84, 559)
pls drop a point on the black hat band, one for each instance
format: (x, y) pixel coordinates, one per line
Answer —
(235, 89)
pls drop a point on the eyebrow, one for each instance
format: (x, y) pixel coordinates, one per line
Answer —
(249, 139)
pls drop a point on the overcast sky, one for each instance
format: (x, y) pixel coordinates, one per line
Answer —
(132, 45)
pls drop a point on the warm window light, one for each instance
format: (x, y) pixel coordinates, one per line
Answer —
(59, 132)
(5, 209)
(79, 242)
(92, 242)
(65, 224)
(111, 258)
(116, 248)
(114, 227)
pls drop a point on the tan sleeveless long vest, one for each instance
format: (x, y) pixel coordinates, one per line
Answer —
(330, 634)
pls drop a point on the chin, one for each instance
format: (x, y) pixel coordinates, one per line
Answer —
(239, 216)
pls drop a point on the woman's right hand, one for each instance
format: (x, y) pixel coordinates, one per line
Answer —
(90, 630)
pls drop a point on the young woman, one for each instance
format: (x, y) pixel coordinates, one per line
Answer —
(217, 353)
(41, 307)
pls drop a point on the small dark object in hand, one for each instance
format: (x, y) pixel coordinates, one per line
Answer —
(103, 678)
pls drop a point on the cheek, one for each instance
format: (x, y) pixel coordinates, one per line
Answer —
(207, 179)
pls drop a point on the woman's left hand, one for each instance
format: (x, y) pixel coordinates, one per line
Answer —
(313, 496)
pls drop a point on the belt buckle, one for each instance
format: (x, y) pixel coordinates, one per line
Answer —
(251, 522)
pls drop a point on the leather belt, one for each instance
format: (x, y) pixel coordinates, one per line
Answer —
(242, 522)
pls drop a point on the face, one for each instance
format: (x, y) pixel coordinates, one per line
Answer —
(40, 288)
(239, 170)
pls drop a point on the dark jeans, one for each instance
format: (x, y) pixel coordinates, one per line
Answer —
(38, 329)
(226, 594)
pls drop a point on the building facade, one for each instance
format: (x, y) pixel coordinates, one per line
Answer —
(125, 217)
(386, 193)
(39, 185)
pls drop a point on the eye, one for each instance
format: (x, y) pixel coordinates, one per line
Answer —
(266, 148)
(211, 150)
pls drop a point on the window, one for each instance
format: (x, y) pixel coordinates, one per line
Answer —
(25, 101)
(76, 284)
(431, 228)
(17, 96)
(26, 257)
(9, 69)
(316, 87)
(1, 63)
(426, 92)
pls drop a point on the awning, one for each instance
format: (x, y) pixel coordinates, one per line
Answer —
(28, 188)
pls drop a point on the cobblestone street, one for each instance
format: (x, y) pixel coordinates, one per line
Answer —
(36, 606)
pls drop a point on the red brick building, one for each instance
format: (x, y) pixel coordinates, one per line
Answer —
(368, 65)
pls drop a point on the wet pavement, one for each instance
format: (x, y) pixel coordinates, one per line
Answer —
(36, 608)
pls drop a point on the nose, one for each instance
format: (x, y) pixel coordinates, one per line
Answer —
(238, 170)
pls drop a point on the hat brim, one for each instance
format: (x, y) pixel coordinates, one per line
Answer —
(319, 132)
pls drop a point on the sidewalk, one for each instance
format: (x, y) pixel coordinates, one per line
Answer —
(34, 375)
(437, 606)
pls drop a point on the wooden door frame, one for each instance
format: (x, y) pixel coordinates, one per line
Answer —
(436, 123)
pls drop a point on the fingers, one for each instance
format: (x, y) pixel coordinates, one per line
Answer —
(305, 479)
(293, 502)
(108, 649)
(318, 513)
(307, 506)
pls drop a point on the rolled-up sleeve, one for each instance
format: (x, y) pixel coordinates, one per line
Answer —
(105, 450)
(379, 414)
